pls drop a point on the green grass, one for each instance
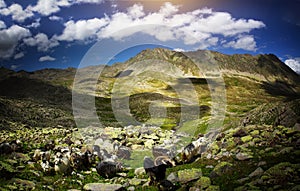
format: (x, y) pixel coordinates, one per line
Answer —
(137, 158)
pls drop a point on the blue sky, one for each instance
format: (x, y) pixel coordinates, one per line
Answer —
(58, 33)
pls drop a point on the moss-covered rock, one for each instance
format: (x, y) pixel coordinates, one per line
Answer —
(203, 182)
(102, 187)
(188, 175)
(221, 169)
(213, 188)
(247, 138)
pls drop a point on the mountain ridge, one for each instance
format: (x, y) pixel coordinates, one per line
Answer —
(256, 145)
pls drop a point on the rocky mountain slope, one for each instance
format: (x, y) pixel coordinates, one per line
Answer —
(255, 148)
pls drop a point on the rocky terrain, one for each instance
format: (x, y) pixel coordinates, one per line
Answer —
(255, 148)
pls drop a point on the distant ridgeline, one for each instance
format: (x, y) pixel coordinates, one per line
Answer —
(44, 97)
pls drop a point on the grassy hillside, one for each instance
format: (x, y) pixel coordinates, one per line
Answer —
(255, 148)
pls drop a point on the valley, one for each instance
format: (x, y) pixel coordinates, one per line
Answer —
(227, 122)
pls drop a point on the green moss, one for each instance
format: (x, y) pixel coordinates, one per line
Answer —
(188, 175)
(247, 138)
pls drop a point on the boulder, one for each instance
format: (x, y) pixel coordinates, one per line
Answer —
(240, 133)
(123, 153)
(139, 171)
(137, 181)
(247, 138)
(26, 184)
(243, 156)
(258, 172)
(221, 169)
(149, 144)
(213, 188)
(203, 183)
(102, 187)
(188, 175)
(173, 177)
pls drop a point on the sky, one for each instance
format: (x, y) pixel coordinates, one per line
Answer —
(37, 34)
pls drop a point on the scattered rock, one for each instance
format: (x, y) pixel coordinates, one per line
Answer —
(24, 183)
(131, 188)
(243, 156)
(149, 144)
(247, 138)
(139, 172)
(102, 187)
(261, 163)
(136, 181)
(188, 175)
(258, 172)
(203, 182)
(123, 153)
(221, 169)
(173, 177)
(213, 188)
(240, 133)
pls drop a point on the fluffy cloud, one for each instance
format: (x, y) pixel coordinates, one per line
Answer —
(19, 55)
(17, 12)
(202, 27)
(179, 50)
(294, 64)
(136, 11)
(9, 39)
(244, 42)
(89, 1)
(47, 7)
(35, 24)
(2, 25)
(42, 42)
(55, 18)
(13, 67)
(46, 58)
(2, 4)
(82, 29)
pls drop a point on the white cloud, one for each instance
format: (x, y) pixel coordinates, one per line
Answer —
(168, 9)
(17, 12)
(45, 7)
(82, 29)
(244, 42)
(2, 4)
(13, 67)
(2, 25)
(179, 50)
(209, 42)
(55, 18)
(35, 24)
(137, 10)
(89, 1)
(46, 58)
(48, 7)
(9, 39)
(42, 42)
(202, 27)
(19, 55)
(294, 64)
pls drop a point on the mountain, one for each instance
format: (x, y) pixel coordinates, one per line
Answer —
(226, 121)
